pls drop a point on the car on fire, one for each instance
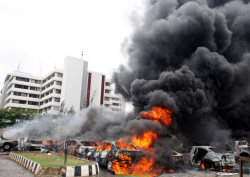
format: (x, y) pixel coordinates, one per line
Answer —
(211, 157)
(7, 144)
(33, 145)
(77, 148)
(115, 151)
(48, 144)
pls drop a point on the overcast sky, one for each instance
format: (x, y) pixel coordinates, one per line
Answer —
(44, 32)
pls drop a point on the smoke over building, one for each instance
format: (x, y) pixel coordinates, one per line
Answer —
(192, 57)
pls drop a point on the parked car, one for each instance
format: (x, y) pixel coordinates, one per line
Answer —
(76, 148)
(6, 144)
(48, 144)
(108, 151)
(33, 145)
(240, 148)
(211, 157)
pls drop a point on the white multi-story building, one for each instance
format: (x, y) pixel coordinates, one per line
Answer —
(74, 85)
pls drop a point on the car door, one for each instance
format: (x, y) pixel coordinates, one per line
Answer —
(104, 153)
(97, 152)
(192, 155)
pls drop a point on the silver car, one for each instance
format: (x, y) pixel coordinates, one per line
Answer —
(211, 157)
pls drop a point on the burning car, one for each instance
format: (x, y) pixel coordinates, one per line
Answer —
(109, 152)
(76, 148)
(48, 145)
(6, 144)
(33, 145)
(211, 157)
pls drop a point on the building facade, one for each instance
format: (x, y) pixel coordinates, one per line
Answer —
(74, 85)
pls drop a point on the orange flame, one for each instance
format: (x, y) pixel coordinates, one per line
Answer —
(122, 144)
(146, 140)
(202, 165)
(158, 114)
(225, 170)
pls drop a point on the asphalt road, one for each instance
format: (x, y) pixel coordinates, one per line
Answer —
(9, 168)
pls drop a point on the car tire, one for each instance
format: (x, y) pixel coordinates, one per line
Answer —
(208, 165)
(109, 165)
(6, 147)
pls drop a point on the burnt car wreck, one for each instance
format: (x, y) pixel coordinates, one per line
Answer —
(76, 148)
(208, 157)
(109, 152)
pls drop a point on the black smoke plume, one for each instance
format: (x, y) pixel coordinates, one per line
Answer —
(192, 56)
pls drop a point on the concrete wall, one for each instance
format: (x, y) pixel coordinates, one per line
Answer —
(72, 83)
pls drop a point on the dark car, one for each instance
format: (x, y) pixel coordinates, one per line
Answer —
(109, 151)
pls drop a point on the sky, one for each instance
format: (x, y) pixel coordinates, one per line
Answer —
(40, 34)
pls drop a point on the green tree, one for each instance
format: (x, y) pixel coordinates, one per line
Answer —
(9, 117)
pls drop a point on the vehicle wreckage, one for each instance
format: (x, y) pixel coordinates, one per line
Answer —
(109, 151)
(211, 157)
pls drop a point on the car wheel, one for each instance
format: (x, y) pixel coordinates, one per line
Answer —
(109, 165)
(208, 165)
(7, 147)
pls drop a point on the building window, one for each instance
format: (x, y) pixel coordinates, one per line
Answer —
(20, 94)
(115, 104)
(58, 91)
(56, 108)
(106, 98)
(107, 84)
(35, 81)
(107, 91)
(58, 83)
(116, 99)
(57, 99)
(21, 86)
(106, 105)
(33, 96)
(33, 103)
(22, 79)
(59, 75)
(35, 88)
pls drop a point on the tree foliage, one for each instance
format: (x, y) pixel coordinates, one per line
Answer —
(9, 117)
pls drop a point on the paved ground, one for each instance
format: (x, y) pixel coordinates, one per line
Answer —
(9, 168)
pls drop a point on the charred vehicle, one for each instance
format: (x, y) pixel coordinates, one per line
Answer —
(211, 157)
(48, 145)
(178, 158)
(33, 145)
(240, 148)
(87, 146)
(109, 152)
(76, 148)
(6, 144)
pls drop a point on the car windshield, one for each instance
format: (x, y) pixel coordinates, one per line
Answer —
(121, 144)
(218, 150)
(36, 142)
(87, 143)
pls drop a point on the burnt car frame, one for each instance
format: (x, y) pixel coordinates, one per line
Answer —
(33, 145)
(211, 157)
(79, 148)
(240, 148)
(108, 151)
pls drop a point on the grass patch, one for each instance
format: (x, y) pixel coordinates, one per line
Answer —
(53, 160)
